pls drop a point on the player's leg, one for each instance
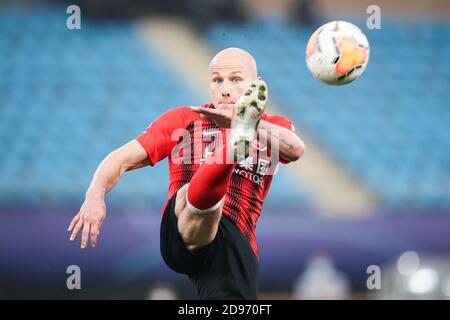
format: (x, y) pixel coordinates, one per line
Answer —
(199, 204)
(196, 230)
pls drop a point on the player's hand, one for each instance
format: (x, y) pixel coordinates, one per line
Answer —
(89, 219)
(221, 117)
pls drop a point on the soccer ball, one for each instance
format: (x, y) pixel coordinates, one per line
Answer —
(337, 53)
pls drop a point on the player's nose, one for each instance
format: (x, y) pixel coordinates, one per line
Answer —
(226, 90)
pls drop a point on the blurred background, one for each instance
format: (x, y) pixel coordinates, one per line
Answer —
(373, 188)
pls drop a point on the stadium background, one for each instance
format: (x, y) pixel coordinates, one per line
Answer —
(373, 187)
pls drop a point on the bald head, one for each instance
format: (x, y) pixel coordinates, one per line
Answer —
(235, 57)
(231, 70)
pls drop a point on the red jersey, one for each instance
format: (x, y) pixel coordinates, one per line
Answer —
(185, 138)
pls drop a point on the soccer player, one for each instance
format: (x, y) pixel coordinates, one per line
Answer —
(221, 158)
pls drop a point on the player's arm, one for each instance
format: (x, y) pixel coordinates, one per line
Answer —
(93, 211)
(290, 146)
(151, 146)
(128, 157)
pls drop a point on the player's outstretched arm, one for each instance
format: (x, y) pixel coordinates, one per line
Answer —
(290, 146)
(93, 211)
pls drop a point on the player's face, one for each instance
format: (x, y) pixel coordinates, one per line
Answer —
(227, 85)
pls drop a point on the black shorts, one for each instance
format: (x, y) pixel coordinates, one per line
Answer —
(227, 268)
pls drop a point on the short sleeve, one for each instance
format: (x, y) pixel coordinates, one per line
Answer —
(157, 139)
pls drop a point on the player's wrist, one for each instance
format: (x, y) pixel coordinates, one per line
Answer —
(93, 194)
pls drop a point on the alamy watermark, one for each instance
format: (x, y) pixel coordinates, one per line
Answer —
(374, 280)
(74, 280)
(73, 21)
(200, 145)
(374, 19)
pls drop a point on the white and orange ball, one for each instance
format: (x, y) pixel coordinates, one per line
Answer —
(337, 53)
